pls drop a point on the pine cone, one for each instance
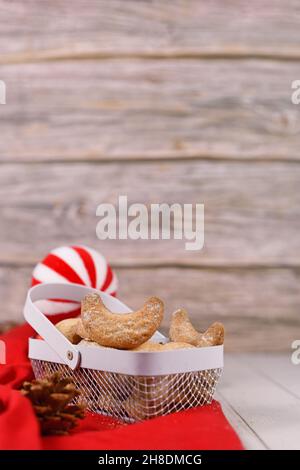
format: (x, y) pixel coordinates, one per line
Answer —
(50, 398)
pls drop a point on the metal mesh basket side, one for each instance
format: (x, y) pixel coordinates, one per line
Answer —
(134, 398)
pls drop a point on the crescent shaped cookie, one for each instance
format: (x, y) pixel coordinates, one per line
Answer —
(213, 336)
(182, 330)
(121, 331)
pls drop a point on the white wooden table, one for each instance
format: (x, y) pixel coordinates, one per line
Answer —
(260, 395)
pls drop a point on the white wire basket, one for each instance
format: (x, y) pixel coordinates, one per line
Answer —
(128, 385)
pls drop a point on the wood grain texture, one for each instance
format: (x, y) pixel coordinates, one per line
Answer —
(181, 101)
(246, 434)
(251, 211)
(149, 109)
(252, 384)
(279, 369)
(45, 30)
(247, 302)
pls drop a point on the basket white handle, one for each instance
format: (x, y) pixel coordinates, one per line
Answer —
(75, 292)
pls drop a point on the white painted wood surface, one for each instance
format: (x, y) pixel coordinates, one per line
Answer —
(260, 395)
(150, 109)
(178, 28)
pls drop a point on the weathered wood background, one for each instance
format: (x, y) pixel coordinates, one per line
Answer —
(176, 101)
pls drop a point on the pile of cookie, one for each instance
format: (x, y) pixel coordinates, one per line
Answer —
(140, 397)
(97, 326)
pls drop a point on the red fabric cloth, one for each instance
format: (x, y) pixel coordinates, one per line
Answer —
(199, 428)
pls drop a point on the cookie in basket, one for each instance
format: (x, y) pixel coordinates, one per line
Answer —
(120, 331)
(181, 329)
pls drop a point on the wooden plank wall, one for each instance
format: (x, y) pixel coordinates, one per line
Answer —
(177, 101)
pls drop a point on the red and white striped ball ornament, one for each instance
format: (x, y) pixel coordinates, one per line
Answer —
(73, 264)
